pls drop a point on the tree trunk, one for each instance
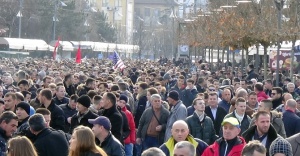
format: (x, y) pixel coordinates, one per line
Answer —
(233, 59)
(247, 57)
(209, 55)
(218, 55)
(223, 54)
(242, 60)
(265, 62)
(212, 54)
(292, 62)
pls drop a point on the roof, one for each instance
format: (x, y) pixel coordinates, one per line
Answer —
(25, 44)
(155, 2)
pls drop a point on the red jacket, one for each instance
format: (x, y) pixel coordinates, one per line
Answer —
(262, 96)
(213, 150)
(131, 137)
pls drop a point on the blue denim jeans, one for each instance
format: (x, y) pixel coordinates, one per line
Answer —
(149, 142)
(138, 149)
(129, 149)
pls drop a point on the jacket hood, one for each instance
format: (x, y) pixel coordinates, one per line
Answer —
(276, 114)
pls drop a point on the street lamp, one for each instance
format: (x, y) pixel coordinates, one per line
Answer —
(279, 5)
(20, 17)
(54, 18)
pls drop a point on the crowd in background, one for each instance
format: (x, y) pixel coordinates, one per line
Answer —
(51, 108)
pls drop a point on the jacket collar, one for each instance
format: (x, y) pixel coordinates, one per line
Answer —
(3, 134)
(170, 144)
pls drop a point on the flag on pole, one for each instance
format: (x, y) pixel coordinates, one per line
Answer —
(78, 55)
(117, 61)
(55, 47)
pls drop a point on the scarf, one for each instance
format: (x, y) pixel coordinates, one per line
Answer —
(201, 116)
(239, 117)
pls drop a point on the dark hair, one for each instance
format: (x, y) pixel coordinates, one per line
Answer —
(46, 77)
(111, 97)
(152, 90)
(37, 122)
(91, 93)
(46, 93)
(23, 82)
(89, 81)
(259, 87)
(251, 66)
(252, 146)
(239, 99)
(97, 97)
(8, 116)
(190, 81)
(25, 92)
(278, 90)
(104, 84)
(181, 77)
(74, 97)
(43, 111)
(252, 93)
(19, 96)
(114, 87)
(67, 76)
(143, 85)
(259, 113)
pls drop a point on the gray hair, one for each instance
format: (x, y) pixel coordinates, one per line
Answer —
(37, 122)
(153, 151)
(186, 144)
(155, 96)
(241, 93)
(290, 84)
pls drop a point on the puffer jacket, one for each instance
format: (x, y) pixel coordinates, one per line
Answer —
(277, 123)
(112, 146)
(203, 130)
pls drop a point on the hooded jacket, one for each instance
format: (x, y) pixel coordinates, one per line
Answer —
(129, 116)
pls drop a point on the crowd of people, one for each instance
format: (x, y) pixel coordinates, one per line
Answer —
(51, 108)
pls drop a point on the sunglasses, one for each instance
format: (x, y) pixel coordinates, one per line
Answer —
(273, 93)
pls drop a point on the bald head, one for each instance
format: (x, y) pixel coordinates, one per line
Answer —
(286, 97)
(226, 95)
(291, 104)
(242, 93)
(180, 130)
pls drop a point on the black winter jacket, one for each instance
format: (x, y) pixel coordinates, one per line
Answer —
(57, 116)
(84, 121)
(112, 146)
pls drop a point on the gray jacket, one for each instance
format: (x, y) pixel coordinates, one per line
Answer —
(295, 142)
(146, 119)
(178, 112)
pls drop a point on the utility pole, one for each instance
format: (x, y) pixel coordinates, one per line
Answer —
(20, 18)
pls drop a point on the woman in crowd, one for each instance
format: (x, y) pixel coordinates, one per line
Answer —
(82, 143)
(20, 146)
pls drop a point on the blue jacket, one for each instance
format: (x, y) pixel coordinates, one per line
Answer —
(291, 123)
(224, 104)
(188, 96)
(168, 147)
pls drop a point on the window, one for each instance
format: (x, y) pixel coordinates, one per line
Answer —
(138, 11)
(105, 3)
(157, 12)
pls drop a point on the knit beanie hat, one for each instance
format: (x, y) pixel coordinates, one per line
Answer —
(174, 95)
(124, 97)
(280, 145)
(25, 106)
(84, 100)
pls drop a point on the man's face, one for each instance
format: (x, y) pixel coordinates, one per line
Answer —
(268, 85)
(156, 103)
(180, 82)
(102, 89)
(290, 88)
(76, 80)
(252, 99)
(72, 104)
(21, 113)
(230, 131)
(180, 132)
(9, 103)
(121, 103)
(97, 129)
(200, 105)
(92, 85)
(9, 128)
(263, 123)
(213, 100)
(80, 108)
(61, 92)
(243, 84)
(275, 95)
(226, 95)
(27, 98)
(47, 120)
(240, 108)
(261, 106)
(216, 84)
(190, 85)
(158, 88)
(47, 82)
(23, 87)
(105, 101)
(185, 151)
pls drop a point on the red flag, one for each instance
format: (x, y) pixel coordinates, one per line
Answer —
(55, 47)
(78, 55)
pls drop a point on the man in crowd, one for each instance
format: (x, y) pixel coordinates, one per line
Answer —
(226, 98)
(276, 96)
(178, 112)
(69, 110)
(48, 142)
(184, 148)
(276, 118)
(68, 84)
(268, 85)
(60, 95)
(57, 114)
(291, 89)
(96, 104)
(262, 130)
(189, 93)
(83, 114)
(196, 121)
(8, 126)
(110, 111)
(290, 119)
(180, 132)
(254, 148)
(23, 112)
(108, 142)
(230, 143)
(90, 84)
(215, 112)
(259, 90)
(10, 102)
